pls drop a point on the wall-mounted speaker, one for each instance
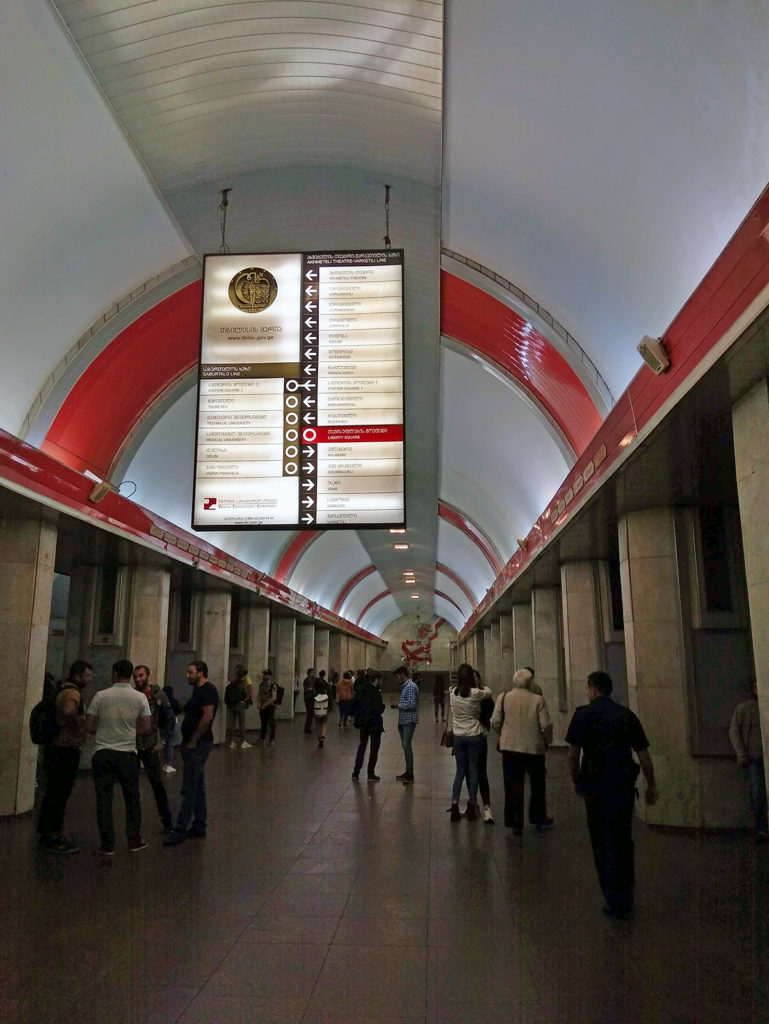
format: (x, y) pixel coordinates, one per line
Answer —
(654, 354)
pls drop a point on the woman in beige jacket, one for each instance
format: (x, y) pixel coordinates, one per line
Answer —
(525, 730)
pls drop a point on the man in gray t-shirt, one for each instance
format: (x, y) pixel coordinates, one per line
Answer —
(115, 717)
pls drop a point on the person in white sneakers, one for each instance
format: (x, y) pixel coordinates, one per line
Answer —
(465, 702)
(237, 698)
(485, 712)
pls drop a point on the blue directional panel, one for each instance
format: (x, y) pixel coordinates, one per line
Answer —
(300, 391)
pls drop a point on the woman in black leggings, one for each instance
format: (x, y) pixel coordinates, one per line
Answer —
(487, 709)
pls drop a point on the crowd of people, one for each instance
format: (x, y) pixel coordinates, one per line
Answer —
(135, 722)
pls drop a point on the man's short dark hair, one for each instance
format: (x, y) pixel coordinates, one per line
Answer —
(200, 666)
(123, 669)
(309, 671)
(77, 668)
(600, 681)
(265, 672)
(146, 669)
(401, 670)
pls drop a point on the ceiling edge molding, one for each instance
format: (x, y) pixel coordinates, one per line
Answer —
(459, 519)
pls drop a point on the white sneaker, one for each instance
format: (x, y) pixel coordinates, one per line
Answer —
(169, 769)
(245, 745)
(233, 745)
(487, 815)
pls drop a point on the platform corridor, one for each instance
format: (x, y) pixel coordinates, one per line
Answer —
(319, 900)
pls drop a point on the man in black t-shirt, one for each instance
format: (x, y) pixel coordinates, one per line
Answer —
(198, 739)
(605, 734)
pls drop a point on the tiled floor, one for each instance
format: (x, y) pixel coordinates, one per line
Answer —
(318, 900)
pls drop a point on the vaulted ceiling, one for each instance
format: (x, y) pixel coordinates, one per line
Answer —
(561, 180)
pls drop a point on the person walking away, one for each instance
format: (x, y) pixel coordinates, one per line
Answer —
(308, 691)
(522, 720)
(465, 703)
(266, 702)
(237, 698)
(116, 717)
(149, 745)
(198, 740)
(485, 712)
(321, 701)
(605, 734)
(439, 697)
(61, 759)
(408, 718)
(368, 708)
(745, 735)
(534, 687)
(344, 693)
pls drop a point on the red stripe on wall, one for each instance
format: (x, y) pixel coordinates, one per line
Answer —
(293, 552)
(468, 527)
(352, 582)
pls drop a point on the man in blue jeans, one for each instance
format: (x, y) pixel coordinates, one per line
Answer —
(197, 740)
(408, 716)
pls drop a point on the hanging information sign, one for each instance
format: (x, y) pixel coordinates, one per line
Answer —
(300, 392)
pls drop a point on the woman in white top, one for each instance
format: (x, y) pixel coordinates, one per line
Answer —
(465, 699)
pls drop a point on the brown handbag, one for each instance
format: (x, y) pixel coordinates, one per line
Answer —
(447, 739)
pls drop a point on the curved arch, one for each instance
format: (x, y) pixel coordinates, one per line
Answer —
(440, 593)
(496, 332)
(372, 602)
(291, 554)
(473, 531)
(440, 567)
(348, 586)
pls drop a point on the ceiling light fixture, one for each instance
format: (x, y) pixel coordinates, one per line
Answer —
(397, 531)
(414, 597)
(401, 547)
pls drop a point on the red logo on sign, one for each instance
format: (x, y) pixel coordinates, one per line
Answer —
(208, 504)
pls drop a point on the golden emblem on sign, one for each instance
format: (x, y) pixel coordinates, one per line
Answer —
(252, 290)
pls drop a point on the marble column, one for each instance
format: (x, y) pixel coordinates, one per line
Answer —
(335, 659)
(147, 640)
(322, 650)
(214, 647)
(257, 653)
(488, 655)
(750, 423)
(285, 660)
(305, 653)
(27, 556)
(546, 630)
(506, 658)
(523, 636)
(694, 792)
(583, 647)
(480, 653)
(494, 677)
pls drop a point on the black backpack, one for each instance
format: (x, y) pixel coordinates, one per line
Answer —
(43, 727)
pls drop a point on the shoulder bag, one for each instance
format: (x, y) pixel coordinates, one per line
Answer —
(447, 739)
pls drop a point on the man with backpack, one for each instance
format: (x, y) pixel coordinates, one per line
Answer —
(149, 745)
(61, 732)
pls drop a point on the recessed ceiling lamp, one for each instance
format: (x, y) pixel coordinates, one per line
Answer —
(414, 597)
(401, 547)
(397, 531)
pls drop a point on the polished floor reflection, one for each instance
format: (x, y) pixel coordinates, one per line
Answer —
(319, 900)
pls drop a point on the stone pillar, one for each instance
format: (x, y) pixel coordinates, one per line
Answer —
(335, 659)
(694, 792)
(322, 650)
(257, 653)
(523, 636)
(581, 627)
(285, 659)
(495, 675)
(27, 556)
(750, 423)
(214, 647)
(305, 655)
(147, 640)
(480, 652)
(546, 627)
(488, 656)
(506, 659)
(76, 639)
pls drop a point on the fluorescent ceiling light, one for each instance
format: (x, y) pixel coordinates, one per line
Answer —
(414, 597)
(397, 531)
(401, 547)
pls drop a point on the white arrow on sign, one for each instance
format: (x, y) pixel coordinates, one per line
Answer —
(307, 385)
(310, 306)
(308, 485)
(309, 401)
(308, 417)
(311, 337)
(309, 322)
(310, 353)
(310, 290)
(308, 467)
(307, 518)
(307, 501)
(308, 452)
(310, 369)
(311, 275)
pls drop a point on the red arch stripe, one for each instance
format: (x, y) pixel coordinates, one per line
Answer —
(352, 582)
(293, 552)
(468, 527)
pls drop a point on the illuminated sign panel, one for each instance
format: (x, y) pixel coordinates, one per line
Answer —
(300, 391)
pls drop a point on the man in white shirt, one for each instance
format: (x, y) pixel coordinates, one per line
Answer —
(115, 717)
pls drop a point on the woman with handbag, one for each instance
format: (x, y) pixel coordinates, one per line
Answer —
(485, 712)
(465, 703)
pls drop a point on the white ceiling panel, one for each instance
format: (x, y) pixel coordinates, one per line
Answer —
(446, 610)
(360, 595)
(326, 565)
(379, 617)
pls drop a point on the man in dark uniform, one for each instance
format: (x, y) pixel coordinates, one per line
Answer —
(605, 734)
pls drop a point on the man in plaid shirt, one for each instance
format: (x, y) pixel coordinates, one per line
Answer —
(408, 716)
